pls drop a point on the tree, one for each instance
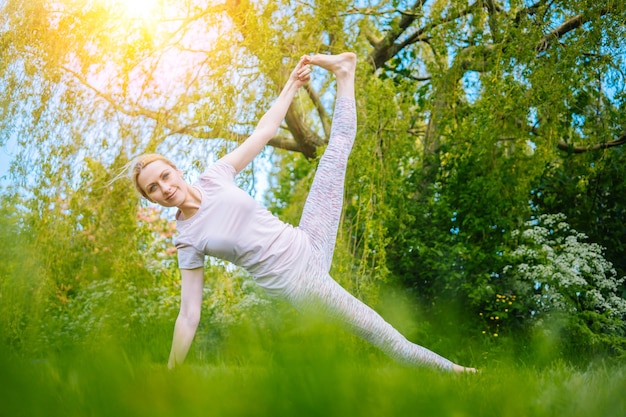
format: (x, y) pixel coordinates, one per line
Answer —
(467, 111)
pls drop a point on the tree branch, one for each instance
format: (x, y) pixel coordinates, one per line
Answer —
(567, 147)
(420, 34)
(371, 37)
(564, 146)
(530, 10)
(387, 48)
(137, 112)
(567, 26)
(195, 129)
(320, 108)
(307, 141)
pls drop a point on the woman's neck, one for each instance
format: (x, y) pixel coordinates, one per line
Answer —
(192, 203)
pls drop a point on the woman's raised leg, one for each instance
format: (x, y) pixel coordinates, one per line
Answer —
(320, 220)
(322, 210)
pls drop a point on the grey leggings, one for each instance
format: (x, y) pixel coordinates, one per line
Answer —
(320, 221)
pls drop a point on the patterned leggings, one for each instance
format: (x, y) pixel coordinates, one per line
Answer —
(320, 221)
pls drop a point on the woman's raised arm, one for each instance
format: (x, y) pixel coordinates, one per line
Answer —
(271, 120)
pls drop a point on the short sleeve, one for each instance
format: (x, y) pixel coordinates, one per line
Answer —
(221, 170)
(189, 257)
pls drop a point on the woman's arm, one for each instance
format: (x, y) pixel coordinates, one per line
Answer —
(189, 315)
(270, 122)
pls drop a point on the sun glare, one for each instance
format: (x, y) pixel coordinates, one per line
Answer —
(138, 9)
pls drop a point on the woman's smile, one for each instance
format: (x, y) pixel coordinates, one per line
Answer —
(171, 196)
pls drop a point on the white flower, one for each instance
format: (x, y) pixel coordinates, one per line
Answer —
(562, 271)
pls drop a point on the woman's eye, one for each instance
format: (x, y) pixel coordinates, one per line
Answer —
(167, 174)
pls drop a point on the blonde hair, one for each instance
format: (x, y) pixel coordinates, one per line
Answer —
(139, 163)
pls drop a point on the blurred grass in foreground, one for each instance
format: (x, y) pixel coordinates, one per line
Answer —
(308, 370)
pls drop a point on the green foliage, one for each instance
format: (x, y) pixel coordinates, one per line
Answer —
(589, 190)
(21, 293)
(472, 119)
(108, 312)
(292, 176)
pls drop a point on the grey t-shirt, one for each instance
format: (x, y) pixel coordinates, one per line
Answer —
(231, 225)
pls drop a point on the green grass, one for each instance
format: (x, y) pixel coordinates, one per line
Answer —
(305, 371)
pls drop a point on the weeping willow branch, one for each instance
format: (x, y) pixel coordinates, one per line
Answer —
(197, 130)
(564, 146)
(566, 27)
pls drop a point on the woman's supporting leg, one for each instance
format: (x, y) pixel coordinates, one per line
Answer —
(319, 293)
(322, 210)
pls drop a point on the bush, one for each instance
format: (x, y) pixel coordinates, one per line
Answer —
(553, 275)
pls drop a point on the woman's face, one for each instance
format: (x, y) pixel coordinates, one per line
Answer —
(163, 184)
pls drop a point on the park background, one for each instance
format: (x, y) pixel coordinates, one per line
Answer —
(484, 210)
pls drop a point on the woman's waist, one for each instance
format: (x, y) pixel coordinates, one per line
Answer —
(286, 258)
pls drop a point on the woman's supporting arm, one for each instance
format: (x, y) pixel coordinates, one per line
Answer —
(270, 122)
(189, 315)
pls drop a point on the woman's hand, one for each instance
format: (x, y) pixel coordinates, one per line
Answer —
(301, 74)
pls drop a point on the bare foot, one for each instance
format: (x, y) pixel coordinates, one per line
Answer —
(462, 369)
(342, 65)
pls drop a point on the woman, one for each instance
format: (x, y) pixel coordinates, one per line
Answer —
(217, 218)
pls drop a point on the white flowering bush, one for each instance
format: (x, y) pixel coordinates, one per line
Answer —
(553, 272)
(557, 270)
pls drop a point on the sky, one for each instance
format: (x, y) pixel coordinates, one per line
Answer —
(5, 160)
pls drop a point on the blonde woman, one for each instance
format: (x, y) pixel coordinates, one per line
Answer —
(216, 218)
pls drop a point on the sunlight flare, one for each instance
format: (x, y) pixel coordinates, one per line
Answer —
(137, 9)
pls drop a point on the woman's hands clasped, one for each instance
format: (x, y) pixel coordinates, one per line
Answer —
(301, 73)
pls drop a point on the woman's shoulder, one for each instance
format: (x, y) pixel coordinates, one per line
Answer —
(219, 170)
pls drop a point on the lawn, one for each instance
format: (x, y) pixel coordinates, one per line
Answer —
(298, 375)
